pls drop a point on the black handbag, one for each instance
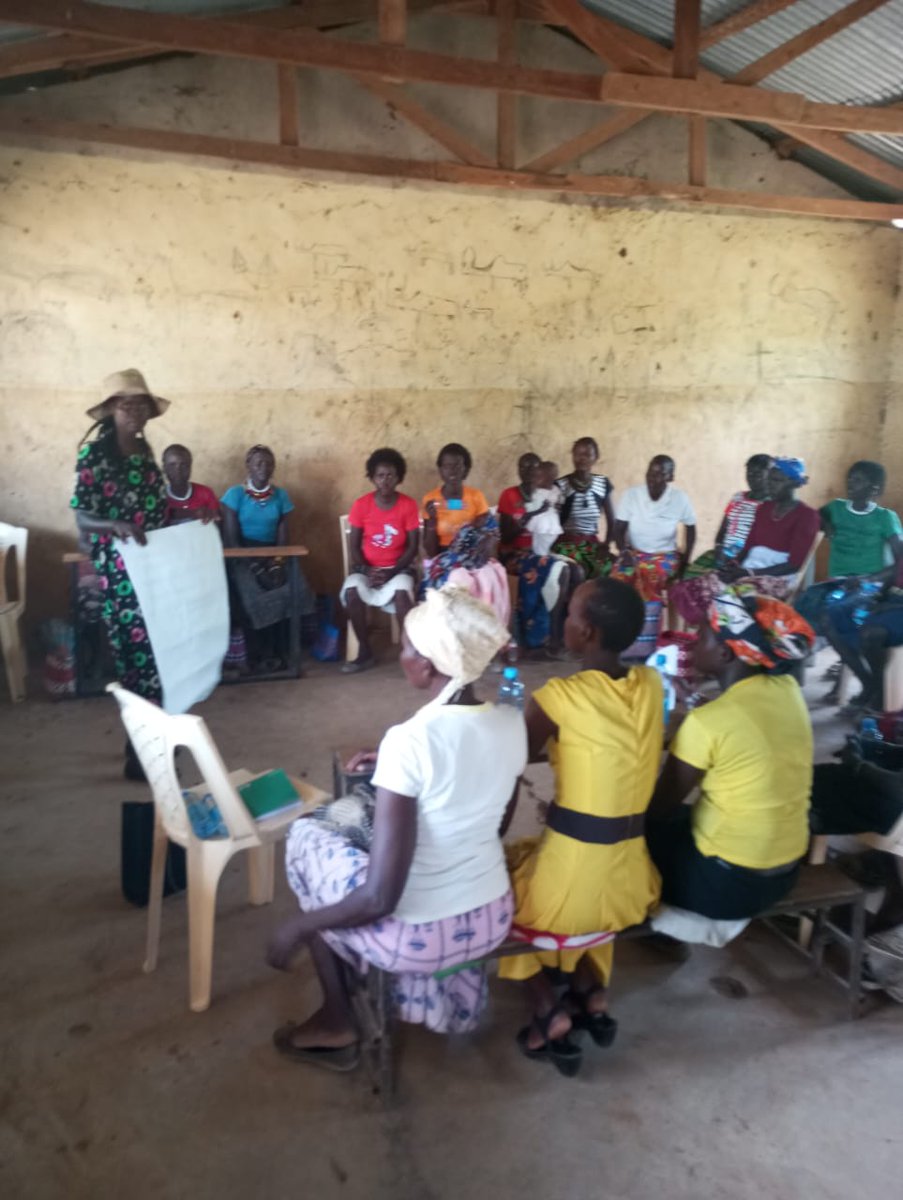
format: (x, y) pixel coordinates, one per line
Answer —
(137, 852)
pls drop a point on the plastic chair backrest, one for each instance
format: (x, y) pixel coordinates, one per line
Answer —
(14, 537)
(345, 530)
(805, 574)
(155, 735)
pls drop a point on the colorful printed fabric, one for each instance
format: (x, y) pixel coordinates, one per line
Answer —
(761, 632)
(121, 489)
(693, 597)
(586, 551)
(533, 617)
(322, 868)
(649, 574)
(469, 549)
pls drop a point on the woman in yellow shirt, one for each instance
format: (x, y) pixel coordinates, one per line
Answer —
(590, 872)
(736, 851)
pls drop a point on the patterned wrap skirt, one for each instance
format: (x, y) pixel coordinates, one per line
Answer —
(323, 867)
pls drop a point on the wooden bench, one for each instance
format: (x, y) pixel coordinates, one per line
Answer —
(292, 670)
(819, 890)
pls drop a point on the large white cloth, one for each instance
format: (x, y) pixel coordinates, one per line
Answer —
(180, 580)
(653, 523)
(460, 762)
(378, 597)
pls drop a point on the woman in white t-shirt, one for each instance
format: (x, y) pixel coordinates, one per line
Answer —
(649, 517)
(433, 891)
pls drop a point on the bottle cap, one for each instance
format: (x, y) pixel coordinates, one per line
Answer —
(510, 672)
(869, 725)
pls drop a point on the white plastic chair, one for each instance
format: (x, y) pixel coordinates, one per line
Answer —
(13, 539)
(352, 646)
(893, 681)
(805, 576)
(155, 736)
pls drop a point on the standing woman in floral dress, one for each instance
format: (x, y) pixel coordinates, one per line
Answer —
(120, 493)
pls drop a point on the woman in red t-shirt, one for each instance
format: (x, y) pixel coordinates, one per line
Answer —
(185, 500)
(385, 533)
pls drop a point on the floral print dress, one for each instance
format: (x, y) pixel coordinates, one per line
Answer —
(121, 489)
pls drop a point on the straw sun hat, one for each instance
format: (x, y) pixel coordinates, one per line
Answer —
(125, 383)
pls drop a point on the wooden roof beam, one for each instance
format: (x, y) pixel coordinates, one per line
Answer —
(788, 51)
(233, 150)
(302, 48)
(786, 109)
(685, 65)
(751, 14)
(832, 145)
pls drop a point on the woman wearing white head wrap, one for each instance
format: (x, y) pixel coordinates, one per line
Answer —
(433, 892)
(458, 635)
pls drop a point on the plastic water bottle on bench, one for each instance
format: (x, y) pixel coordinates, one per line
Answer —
(511, 689)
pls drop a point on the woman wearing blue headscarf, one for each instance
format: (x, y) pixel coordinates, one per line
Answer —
(781, 537)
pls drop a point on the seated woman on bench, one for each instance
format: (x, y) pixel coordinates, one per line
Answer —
(255, 513)
(590, 872)
(432, 893)
(737, 850)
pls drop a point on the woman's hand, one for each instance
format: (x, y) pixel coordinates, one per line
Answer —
(363, 758)
(625, 559)
(206, 515)
(731, 571)
(125, 530)
(431, 509)
(288, 940)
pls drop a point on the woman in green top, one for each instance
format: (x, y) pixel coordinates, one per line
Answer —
(865, 544)
(120, 493)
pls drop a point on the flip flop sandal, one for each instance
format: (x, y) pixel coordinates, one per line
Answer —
(602, 1028)
(564, 1054)
(343, 1058)
(354, 668)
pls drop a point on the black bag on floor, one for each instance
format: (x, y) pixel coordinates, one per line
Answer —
(137, 852)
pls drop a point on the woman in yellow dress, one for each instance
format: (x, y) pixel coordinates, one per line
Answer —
(589, 873)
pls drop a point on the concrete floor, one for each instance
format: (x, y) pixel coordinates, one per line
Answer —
(111, 1087)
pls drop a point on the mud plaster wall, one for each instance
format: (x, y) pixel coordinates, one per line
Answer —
(326, 317)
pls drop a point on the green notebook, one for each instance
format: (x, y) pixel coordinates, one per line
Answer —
(269, 795)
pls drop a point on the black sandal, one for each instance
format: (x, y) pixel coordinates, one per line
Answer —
(564, 1054)
(340, 1058)
(602, 1028)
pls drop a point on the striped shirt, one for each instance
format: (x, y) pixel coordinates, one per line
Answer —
(581, 509)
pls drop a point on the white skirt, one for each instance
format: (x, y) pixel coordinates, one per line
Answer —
(381, 597)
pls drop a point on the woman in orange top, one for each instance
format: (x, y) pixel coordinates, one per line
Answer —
(452, 505)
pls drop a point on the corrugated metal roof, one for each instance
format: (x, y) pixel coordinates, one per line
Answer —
(862, 64)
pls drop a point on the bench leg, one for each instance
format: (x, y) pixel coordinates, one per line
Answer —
(857, 949)
(817, 941)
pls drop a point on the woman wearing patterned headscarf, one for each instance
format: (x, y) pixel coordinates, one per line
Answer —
(736, 851)
(432, 893)
(777, 545)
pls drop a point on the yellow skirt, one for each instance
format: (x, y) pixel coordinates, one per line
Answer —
(568, 887)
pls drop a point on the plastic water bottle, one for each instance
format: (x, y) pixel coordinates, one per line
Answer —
(661, 664)
(511, 689)
(863, 609)
(870, 738)
(732, 548)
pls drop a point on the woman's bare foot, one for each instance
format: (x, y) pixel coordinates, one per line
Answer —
(559, 1027)
(323, 1032)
